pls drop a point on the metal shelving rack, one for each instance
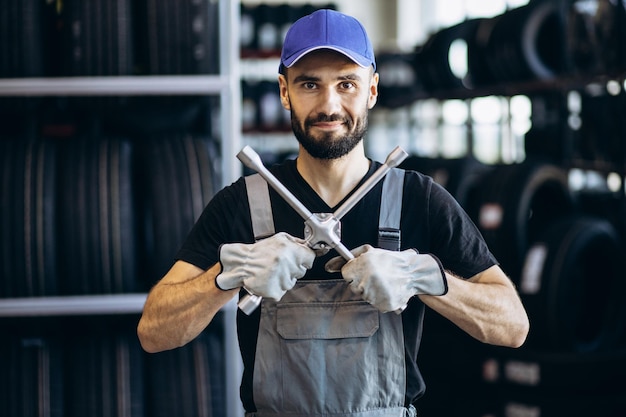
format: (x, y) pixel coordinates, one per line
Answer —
(227, 85)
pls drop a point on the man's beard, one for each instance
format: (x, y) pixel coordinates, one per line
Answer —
(328, 147)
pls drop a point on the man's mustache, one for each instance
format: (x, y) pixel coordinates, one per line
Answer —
(321, 118)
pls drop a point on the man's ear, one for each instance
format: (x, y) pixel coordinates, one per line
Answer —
(373, 97)
(284, 92)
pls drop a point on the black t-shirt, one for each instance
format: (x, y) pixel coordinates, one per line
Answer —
(431, 222)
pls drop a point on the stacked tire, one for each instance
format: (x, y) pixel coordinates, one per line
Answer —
(101, 371)
(31, 382)
(181, 174)
(574, 359)
(514, 204)
(461, 177)
(566, 259)
(188, 381)
(94, 214)
(568, 268)
(28, 214)
(535, 42)
(531, 383)
(97, 216)
(86, 186)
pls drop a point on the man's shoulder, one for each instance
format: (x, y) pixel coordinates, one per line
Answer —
(418, 182)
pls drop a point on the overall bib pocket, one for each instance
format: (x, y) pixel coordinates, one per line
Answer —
(328, 358)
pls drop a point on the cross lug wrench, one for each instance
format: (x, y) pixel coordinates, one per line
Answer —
(322, 230)
(323, 233)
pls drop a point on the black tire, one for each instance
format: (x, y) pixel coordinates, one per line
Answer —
(481, 72)
(514, 203)
(596, 37)
(601, 136)
(573, 287)
(178, 37)
(556, 373)
(188, 381)
(28, 213)
(518, 402)
(399, 83)
(433, 60)
(40, 230)
(527, 43)
(31, 381)
(104, 373)
(98, 252)
(179, 177)
(23, 39)
(96, 38)
(460, 176)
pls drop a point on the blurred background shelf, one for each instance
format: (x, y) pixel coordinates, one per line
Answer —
(72, 305)
(116, 85)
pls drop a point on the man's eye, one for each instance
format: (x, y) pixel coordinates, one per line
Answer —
(309, 86)
(347, 85)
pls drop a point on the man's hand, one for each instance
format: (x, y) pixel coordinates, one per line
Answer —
(388, 279)
(269, 267)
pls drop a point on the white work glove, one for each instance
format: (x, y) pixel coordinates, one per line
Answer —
(269, 267)
(388, 279)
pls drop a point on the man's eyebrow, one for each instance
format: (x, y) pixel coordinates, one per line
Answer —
(311, 78)
(350, 77)
(305, 78)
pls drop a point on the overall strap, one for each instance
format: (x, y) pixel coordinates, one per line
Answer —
(260, 206)
(390, 210)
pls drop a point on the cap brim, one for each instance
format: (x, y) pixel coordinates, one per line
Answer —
(356, 58)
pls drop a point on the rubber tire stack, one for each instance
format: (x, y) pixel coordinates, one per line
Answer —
(188, 381)
(566, 260)
(181, 175)
(75, 199)
(515, 203)
(28, 213)
(98, 251)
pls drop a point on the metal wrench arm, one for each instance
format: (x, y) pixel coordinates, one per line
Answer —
(394, 159)
(253, 161)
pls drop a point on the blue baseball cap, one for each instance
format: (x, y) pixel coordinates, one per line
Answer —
(327, 29)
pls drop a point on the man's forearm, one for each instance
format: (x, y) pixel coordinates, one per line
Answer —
(486, 307)
(179, 307)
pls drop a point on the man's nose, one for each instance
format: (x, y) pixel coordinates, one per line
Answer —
(330, 102)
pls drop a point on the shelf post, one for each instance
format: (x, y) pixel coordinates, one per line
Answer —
(230, 110)
(230, 96)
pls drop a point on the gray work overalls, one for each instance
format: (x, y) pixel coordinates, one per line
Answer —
(322, 350)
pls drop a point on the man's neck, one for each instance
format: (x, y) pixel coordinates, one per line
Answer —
(333, 179)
